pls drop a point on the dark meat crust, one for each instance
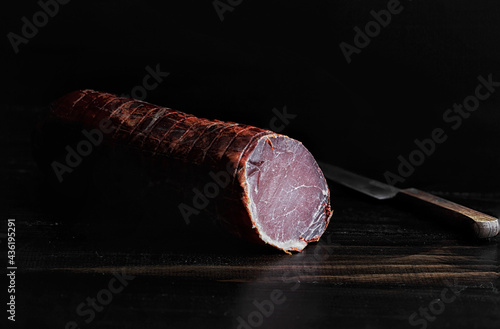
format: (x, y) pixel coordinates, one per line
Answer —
(179, 143)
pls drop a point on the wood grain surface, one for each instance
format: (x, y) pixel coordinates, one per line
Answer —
(376, 265)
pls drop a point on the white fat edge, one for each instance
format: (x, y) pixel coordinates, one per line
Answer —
(292, 244)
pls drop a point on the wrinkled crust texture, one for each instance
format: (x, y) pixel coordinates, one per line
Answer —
(287, 197)
(277, 195)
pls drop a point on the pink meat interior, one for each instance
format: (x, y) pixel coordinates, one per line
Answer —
(288, 193)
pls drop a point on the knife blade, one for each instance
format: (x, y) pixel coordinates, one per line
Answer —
(482, 225)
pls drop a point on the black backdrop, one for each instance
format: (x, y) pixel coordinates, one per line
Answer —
(271, 54)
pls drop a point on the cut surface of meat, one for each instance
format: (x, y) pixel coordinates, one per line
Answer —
(275, 192)
(289, 197)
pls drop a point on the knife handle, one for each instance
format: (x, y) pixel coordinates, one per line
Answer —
(484, 226)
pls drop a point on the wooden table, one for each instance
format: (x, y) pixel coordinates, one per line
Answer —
(377, 266)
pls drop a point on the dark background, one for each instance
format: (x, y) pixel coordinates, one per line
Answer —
(270, 54)
(385, 263)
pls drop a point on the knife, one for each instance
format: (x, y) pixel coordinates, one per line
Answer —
(483, 226)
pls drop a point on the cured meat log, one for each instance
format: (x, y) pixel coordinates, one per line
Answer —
(262, 186)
